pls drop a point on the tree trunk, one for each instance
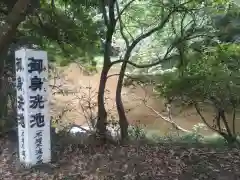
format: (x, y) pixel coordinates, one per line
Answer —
(2, 89)
(15, 17)
(102, 114)
(110, 23)
(7, 32)
(123, 122)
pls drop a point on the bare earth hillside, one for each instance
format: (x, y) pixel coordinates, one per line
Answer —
(74, 79)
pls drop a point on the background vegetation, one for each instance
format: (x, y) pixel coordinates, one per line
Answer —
(188, 50)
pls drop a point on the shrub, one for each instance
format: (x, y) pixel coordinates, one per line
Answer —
(211, 79)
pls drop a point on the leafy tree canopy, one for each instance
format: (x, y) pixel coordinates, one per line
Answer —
(64, 28)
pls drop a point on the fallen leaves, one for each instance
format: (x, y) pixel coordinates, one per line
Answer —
(130, 162)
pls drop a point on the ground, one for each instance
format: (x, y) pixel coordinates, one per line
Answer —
(137, 161)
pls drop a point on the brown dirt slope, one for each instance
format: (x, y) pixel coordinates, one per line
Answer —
(75, 79)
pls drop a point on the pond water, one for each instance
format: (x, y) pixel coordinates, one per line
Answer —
(137, 111)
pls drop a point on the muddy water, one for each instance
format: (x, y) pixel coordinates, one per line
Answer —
(74, 79)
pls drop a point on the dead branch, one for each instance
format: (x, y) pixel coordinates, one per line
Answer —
(168, 120)
(61, 114)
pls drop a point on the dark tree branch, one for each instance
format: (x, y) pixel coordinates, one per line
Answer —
(2, 11)
(110, 30)
(153, 30)
(140, 38)
(150, 32)
(55, 37)
(15, 17)
(218, 119)
(233, 121)
(233, 103)
(111, 14)
(159, 60)
(223, 116)
(40, 20)
(148, 65)
(104, 13)
(173, 25)
(120, 108)
(124, 9)
(121, 27)
(203, 118)
(53, 4)
(117, 74)
(182, 24)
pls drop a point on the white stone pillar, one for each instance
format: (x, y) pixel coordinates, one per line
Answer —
(33, 106)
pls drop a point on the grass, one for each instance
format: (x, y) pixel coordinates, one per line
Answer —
(194, 138)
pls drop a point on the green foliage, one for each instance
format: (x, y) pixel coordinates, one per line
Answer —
(192, 138)
(63, 30)
(188, 25)
(215, 73)
(227, 24)
(136, 132)
(212, 78)
(196, 18)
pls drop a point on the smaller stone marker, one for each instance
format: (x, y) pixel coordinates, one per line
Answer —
(32, 106)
